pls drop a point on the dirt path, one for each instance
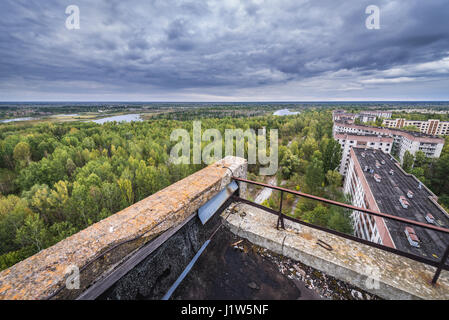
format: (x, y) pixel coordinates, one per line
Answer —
(266, 192)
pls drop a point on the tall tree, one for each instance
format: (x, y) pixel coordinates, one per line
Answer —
(314, 175)
(22, 153)
(407, 162)
(331, 155)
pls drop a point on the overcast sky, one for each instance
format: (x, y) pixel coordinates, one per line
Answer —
(224, 50)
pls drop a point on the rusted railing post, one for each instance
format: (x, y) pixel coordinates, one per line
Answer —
(440, 267)
(281, 218)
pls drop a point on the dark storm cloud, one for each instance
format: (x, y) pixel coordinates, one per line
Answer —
(216, 47)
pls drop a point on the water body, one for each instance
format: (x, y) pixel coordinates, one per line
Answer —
(16, 119)
(122, 118)
(285, 112)
(66, 115)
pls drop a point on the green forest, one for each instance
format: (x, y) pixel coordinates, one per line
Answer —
(417, 116)
(58, 178)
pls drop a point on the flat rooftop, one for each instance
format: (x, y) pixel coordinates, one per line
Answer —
(386, 194)
(370, 270)
(231, 267)
(362, 135)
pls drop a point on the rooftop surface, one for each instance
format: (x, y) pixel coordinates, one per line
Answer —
(232, 267)
(361, 135)
(378, 272)
(387, 193)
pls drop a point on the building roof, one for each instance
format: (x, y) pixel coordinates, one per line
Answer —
(363, 137)
(387, 194)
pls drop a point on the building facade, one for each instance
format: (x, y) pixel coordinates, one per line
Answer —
(431, 127)
(347, 141)
(365, 226)
(341, 115)
(402, 140)
(379, 113)
(364, 116)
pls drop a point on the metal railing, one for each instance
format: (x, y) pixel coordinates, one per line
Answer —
(441, 265)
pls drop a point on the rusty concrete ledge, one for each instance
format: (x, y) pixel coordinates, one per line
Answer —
(355, 263)
(44, 275)
(153, 276)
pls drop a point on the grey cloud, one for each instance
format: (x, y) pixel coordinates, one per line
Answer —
(213, 47)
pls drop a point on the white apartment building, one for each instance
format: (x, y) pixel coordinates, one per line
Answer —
(402, 140)
(375, 181)
(347, 141)
(365, 226)
(364, 116)
(342, 115)
(432, 126)
(379, 113)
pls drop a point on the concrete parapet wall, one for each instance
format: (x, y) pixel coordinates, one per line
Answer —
(151, 278)
(44, 274)
(376, 271)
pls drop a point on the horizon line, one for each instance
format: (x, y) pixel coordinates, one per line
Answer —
(236, 101)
